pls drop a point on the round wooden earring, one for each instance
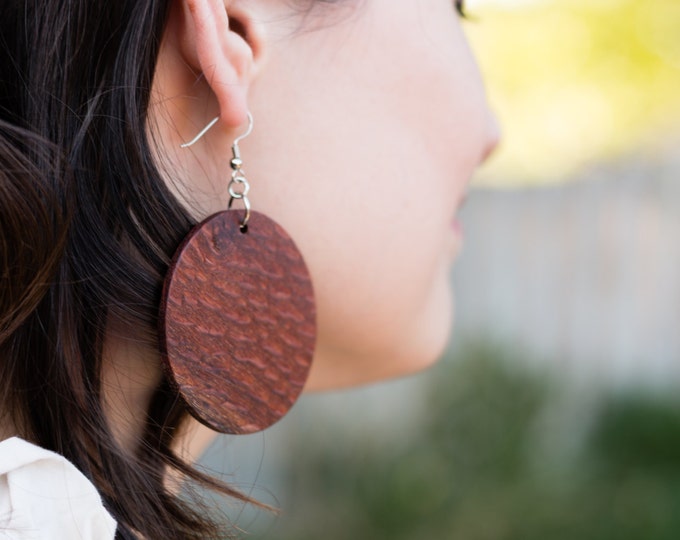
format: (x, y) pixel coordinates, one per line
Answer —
(238, 322)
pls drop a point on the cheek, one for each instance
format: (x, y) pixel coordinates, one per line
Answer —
(367, 188)
(379, 250)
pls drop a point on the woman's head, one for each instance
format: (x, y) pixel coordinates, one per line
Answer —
(369, 120)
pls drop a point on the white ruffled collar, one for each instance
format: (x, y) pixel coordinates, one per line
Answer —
(44, 497)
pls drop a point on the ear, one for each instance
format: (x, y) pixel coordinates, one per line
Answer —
(222, 43)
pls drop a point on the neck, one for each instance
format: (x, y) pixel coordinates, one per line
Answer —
(7, 428)
(131, 372)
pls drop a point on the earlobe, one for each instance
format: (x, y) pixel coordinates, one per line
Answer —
(221, 52)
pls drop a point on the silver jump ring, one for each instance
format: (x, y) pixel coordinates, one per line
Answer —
(237, 176)
(239, 180)
(246, 204)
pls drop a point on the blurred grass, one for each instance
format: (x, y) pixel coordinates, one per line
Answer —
(471, 470)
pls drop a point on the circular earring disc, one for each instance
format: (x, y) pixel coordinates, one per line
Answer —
(238, 322)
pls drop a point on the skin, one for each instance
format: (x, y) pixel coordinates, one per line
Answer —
(370, 119)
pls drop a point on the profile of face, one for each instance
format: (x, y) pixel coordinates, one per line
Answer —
(370, 119)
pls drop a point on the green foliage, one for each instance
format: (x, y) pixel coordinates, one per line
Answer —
(639, 433)
(469, 470)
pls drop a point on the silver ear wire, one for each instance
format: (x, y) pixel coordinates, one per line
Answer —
(248, 131)
(201, 133)
(238, 177)
(211, 124)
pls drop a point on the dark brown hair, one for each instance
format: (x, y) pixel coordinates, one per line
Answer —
(87, 227)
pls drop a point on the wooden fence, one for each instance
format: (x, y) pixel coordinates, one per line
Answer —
(584, 274)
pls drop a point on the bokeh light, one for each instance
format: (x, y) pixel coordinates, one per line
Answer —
(576, 81)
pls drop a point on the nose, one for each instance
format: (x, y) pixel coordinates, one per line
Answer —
(493, 137)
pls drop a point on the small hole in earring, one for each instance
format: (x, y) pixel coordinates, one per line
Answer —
(243, 228)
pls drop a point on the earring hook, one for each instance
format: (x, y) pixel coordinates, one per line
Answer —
(211, 124)
(237, 175)
(248, 131)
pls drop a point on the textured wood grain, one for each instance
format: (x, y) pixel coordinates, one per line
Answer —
(238, 322)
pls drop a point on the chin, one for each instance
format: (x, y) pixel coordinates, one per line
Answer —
(432, 338)
(407, 351)
(429, 329)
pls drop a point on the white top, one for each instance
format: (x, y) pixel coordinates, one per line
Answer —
(44, 497)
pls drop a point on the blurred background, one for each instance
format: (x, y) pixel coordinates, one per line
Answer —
(556, 411)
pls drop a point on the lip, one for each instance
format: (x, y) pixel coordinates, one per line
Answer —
(456, 226)
(456, 238)
(455, 222)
